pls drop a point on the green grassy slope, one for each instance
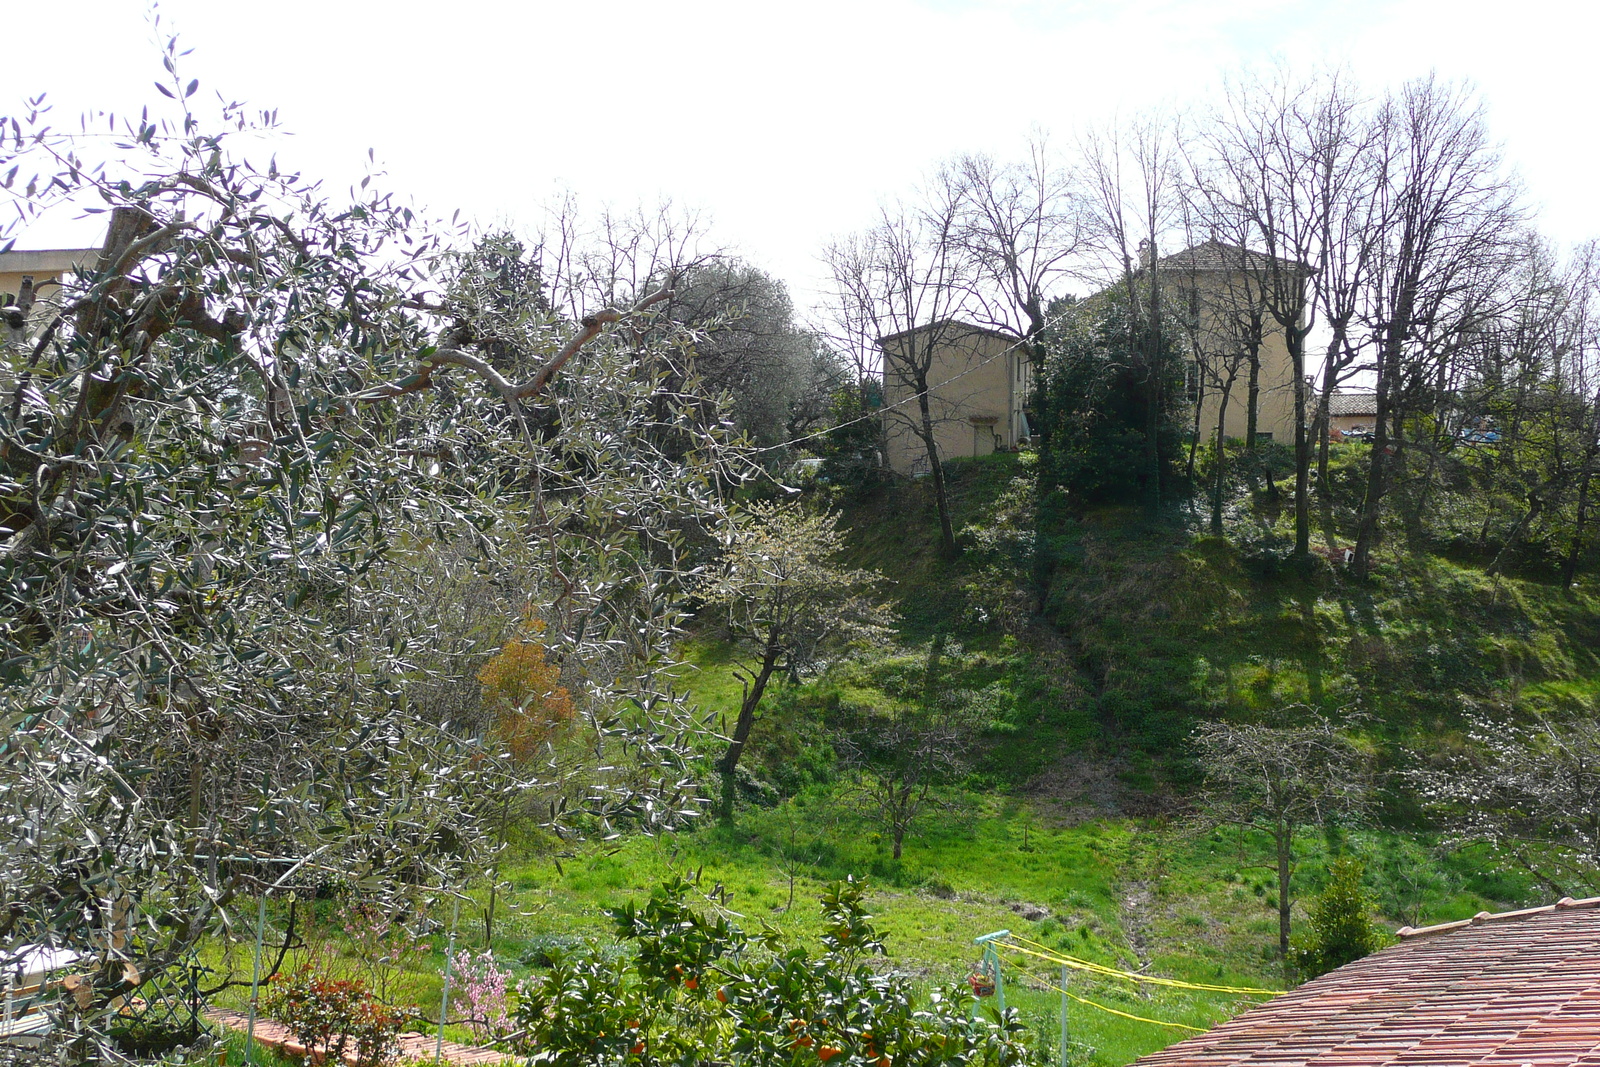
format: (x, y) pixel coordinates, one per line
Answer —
(1073, 828)
(1145, 628)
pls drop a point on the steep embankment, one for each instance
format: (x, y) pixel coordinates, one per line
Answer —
(1122, 633)
(1074, 828)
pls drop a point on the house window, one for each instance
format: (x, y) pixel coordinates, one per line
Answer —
(1264, 437)
(1189, 301)
(1191, 381)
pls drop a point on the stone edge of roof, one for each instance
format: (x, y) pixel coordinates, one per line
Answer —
(965, 327)
(1406, 933)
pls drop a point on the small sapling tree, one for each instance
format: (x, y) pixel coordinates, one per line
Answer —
(900, 754)
(1342, 929)
(786, 603)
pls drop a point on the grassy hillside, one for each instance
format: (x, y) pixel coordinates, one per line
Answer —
(1091, 648)
(1136, 629)
(1073, 828)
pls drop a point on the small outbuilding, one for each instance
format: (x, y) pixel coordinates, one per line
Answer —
(1352, 411)
(1512, 989)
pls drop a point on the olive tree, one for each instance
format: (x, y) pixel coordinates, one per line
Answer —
(227, 466)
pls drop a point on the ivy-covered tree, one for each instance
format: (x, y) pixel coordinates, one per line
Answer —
(1093, 403)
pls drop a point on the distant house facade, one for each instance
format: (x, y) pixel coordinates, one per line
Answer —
(1233, 340)
(1351, 411)
(978, 384)
(979, 379)
(30, 283)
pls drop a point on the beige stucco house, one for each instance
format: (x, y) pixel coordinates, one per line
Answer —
(978, 382)
(980, 379)
(1217, 289)
(30, 280)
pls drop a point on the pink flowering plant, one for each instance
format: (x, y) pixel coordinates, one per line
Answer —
(482, 986)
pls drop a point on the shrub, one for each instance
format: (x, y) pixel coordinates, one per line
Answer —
(329, 1014)
(1342, 929)
(696, 989)
(483, 987)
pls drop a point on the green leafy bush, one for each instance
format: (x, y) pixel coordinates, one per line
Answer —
(1342, 929)
(695, 989)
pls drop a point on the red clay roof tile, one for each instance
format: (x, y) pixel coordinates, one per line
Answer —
(1500, 990)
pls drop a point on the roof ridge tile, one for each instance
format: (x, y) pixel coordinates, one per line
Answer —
(1564, 904)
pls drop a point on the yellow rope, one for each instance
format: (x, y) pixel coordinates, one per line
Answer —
(1126, 1015)
(1044, 952)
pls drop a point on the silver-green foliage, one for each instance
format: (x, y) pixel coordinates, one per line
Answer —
(241, 505)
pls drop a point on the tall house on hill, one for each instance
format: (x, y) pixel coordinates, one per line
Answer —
(1236, 349)
(30, 284)
(978, 382)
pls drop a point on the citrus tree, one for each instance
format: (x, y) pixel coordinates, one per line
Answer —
(693, 988)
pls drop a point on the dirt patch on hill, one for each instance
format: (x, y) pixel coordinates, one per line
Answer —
(1078, 788)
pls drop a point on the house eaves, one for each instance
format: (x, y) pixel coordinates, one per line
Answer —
(955, 327)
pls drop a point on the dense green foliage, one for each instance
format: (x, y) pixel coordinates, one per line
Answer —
(1109, 382)
(1341, 923)
(693, 987)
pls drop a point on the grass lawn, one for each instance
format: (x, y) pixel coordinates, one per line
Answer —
(1141, 895)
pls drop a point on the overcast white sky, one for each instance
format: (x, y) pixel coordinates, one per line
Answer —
(785, 124)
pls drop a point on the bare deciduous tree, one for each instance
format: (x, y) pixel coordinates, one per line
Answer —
(1023, 224)
(1448, 220)
(900, 291)
(1281, 778)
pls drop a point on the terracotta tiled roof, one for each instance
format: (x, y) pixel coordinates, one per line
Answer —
(1217, 255)
(1353, 404)
(1504, 990)
(952, 328)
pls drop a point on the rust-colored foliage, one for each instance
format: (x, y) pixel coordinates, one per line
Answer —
(523, 689)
